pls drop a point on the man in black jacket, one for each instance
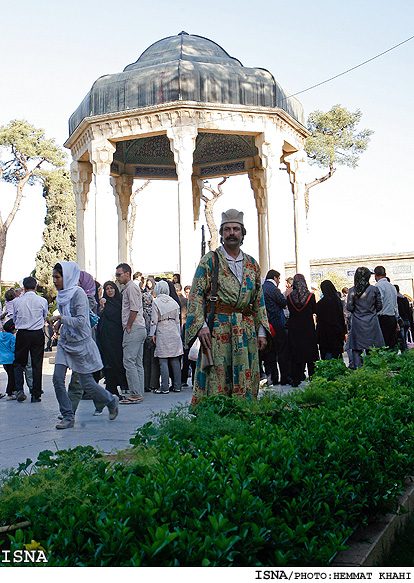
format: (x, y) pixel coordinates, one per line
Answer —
(275, 302)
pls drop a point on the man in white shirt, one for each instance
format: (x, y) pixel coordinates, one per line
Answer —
(29, 315)
(388, 316)
(135, 334)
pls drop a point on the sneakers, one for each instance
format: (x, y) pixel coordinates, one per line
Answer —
(113, 410)
(97, 412)
(11, 398)
(21, 396)
(65, 424)
(35, 399)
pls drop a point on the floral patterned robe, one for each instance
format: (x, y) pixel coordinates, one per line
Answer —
(234, 339)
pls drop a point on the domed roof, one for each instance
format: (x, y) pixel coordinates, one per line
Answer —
(184, 67)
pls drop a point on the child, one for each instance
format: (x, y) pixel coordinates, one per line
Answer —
(7, 346)
(9, 296)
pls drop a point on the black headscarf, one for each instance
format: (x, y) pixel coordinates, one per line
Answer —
(150, 288)
(173, 294)
(114, 302)
(361, 280)
(299, 296)
(330, 292)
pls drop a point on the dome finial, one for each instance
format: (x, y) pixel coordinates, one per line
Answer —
(183, 32)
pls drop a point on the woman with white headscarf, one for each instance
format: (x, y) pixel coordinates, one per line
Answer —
(166, 333)
(76, 349)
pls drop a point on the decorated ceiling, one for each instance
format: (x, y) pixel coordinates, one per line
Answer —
(211, 148)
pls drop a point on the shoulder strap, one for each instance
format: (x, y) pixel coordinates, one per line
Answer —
(213, 293)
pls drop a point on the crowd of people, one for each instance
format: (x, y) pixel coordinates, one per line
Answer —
(128, 332)
(350, 322)
(229, 331)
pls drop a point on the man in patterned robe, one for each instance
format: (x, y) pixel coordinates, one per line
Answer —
(240, 317)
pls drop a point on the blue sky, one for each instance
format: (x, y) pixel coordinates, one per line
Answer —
(52, 52)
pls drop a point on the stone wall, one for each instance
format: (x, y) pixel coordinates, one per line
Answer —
(399, 268)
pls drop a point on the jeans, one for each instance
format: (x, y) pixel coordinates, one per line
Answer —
(133, 347)
(165, 374)
(75, 390)
(88, 384)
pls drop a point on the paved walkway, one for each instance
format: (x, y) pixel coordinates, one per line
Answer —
(28, 428)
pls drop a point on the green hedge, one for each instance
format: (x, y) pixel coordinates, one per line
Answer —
(273, 482)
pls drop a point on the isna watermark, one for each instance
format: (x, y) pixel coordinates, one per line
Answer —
(23, 556)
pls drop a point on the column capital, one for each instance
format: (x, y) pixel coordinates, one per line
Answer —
(258, 177)
(182, 143)
(122, 187)
(297, 164)
(101, 153)
(81, 176)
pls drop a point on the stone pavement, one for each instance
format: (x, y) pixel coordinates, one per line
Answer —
(28, 428)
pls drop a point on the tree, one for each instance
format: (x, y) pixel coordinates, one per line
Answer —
(208, 212)
(334, 141)
(59, 235)
(27, 151)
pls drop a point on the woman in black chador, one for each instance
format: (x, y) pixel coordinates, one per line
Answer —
(109, 337)
(330, 326)
(301, 330)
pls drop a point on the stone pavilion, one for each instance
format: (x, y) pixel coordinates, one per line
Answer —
(186, 111)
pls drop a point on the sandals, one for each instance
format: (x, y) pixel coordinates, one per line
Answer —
(130, 400)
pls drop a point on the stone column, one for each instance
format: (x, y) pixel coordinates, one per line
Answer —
(197, 183)
(106, 244)
(197, 191)
(122, 186)
(182, 141)
(81, 176)
(297, 167)
(270, 146)
(258, 182)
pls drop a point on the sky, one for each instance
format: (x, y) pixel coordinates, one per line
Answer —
(52, 52)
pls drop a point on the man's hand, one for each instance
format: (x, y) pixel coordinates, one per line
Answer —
(261, 342)
(128, 329)
(205, 337)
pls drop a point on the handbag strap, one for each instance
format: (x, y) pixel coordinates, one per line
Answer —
(213, 294)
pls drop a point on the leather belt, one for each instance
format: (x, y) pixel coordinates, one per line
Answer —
(228, 309)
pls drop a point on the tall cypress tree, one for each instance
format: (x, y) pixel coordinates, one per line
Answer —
(59, 236)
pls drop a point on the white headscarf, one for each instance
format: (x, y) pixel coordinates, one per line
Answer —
(71, 272)
(163, 300)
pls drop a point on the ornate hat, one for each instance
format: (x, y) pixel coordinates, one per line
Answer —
(232, 216)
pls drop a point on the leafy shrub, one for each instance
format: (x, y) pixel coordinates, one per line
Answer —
(239, 483)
